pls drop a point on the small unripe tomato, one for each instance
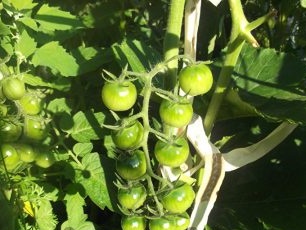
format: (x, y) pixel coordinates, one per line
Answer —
(119, 96)
(128, 137)
(196, 79)
(31, 104)
(26, 152)
(133, 197)
(10, 132)
(9, 156)
(35, 128)
(44, 159)
(133, 223)
(175, 113)
(13, 88)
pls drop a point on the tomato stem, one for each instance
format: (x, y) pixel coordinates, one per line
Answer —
(172, 40)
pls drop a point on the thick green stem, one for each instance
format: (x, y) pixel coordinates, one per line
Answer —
(236, 42)
(172, 40)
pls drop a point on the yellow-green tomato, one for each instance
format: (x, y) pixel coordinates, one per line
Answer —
(196, 79)
(35, 128)
(9, 157)
(133, 223)
(13, 88)
(31, 104)
(26, 152)
(119, 96)
(172, 154)
(9, 131)
(133, 197)
(179, 199)
(44, 159)
(128, 137)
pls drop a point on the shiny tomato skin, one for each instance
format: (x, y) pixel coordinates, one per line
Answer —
(162, 223)
(196, 79)
(44, 159)
(132, 167)
(175, 114)
(30, 104)
(9, 131)
(35, 128)
(133, 223)
(133, 197)
(172, 154)
(179, 199)
(13, 88)
(128, 137)
(119, 96)
(9, 156)
(26, 152)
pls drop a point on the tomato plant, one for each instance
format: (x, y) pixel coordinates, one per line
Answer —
(179, 199)
(175, 113)
(13, 88)
(132, 167)
(132, 197)
(133, 223)
(196, 79)
(9, 131)
(35, 128)
(172, 154)
(9, 157)
(119, 96)
(128, 137)
(31, 104)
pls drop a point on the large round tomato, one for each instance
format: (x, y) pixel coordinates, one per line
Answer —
(172, 154)
(9, 131)
(44, 159)
(133, 197)
(179, 199)
(13, 88)
(31, 104)
(133, 223)
(119, 96)
(175, 113)
(26, 152)
(9, 157)
(132, 167)
(162, 223)
(35, 128)
(128, 137)
(196, 79)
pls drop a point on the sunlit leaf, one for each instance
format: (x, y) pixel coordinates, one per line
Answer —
(25, 44)
(81, 149)
(55, 56)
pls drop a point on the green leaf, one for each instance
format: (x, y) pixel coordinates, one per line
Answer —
(29, 22)
(96, 179)
(76, 217)
(52, 18)
(23, 5)
(87, 126)
(136, 54)
(25, 44)
(4, 29)
(61, 84)
(81, 149)
(91, 58)
(55, 56)
(45, 217)
(272, 83)
(59, 106)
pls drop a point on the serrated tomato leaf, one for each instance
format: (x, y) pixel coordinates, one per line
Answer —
(54, 56)
(272, 82)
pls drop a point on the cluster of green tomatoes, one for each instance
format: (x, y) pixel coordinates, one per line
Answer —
(23, 126)
(144, 199)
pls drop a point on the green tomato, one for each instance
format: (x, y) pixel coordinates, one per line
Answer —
(133, 223)
(13, 88)
(132, 167)
(133, 197)
(10, 132)
(181, 221)
(196, 79)
(35, 128)
(9, 157)
(31, 104)
(179, 199)
(26, 152)
(3, 110)
(176, 114)
(44, 159)
(172, 154)
(128, 137)
(119, 96)
(162, 223)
